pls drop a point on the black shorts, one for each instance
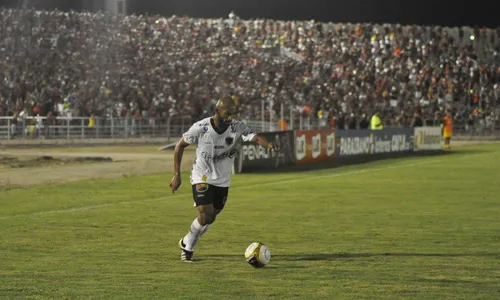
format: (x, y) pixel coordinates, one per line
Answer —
(204, 194)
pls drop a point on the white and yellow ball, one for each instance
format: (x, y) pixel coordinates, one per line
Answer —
(257, 255)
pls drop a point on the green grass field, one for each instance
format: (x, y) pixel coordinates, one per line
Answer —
(417, 228)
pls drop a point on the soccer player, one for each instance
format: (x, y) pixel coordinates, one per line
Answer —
(215, 139)
(447, 125)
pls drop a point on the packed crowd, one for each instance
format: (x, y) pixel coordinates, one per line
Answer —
(94, 64)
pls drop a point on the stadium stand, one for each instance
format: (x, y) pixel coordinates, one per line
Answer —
(96, 64)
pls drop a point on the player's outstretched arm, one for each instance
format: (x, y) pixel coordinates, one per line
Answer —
(262, 141)
(175, 183)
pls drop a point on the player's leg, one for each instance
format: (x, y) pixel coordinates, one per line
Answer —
(207, 213)
(220, 198)
(198, 227)
(447, 142)
(203, 197)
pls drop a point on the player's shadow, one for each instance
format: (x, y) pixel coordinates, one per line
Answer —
(364, 159)
(468, 151)
(341, 256)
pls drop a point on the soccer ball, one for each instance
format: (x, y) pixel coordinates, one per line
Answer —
(258, 255)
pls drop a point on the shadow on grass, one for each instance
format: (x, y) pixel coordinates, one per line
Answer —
(454, 281)
(336, 256)
(340, 256)
(365, 159)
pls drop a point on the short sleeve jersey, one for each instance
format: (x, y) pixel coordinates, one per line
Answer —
(215, 152)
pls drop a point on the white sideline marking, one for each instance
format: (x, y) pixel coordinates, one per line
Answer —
(301, 179)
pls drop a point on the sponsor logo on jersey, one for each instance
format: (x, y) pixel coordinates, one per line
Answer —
(216, 158)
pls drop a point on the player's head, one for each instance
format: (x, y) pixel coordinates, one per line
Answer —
(224, 111)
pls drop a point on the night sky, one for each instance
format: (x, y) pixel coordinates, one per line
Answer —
(436, 12)
(425, 12)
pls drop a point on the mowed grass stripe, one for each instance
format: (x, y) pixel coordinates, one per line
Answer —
(253, 181)
(421, 232)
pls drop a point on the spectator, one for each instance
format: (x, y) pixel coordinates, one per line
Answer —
(133, 67)
(364, 123)
(376, 122)
(417, 120)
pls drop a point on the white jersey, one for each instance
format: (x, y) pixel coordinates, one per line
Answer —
(215, 152)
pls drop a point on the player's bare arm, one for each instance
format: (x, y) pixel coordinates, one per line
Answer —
(175, 183)
(262, 141)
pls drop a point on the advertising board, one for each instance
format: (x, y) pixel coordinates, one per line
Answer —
(314, 146)
(427, 138)
(370, 142)
(253, 156)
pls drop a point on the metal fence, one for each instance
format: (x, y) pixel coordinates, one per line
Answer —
(479, 129)
(101, 128)
(113, 128)
(90, 128)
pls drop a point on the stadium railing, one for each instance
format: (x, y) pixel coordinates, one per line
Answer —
(73, 128)
(477, 131)
(91, 128)
(112, 128)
